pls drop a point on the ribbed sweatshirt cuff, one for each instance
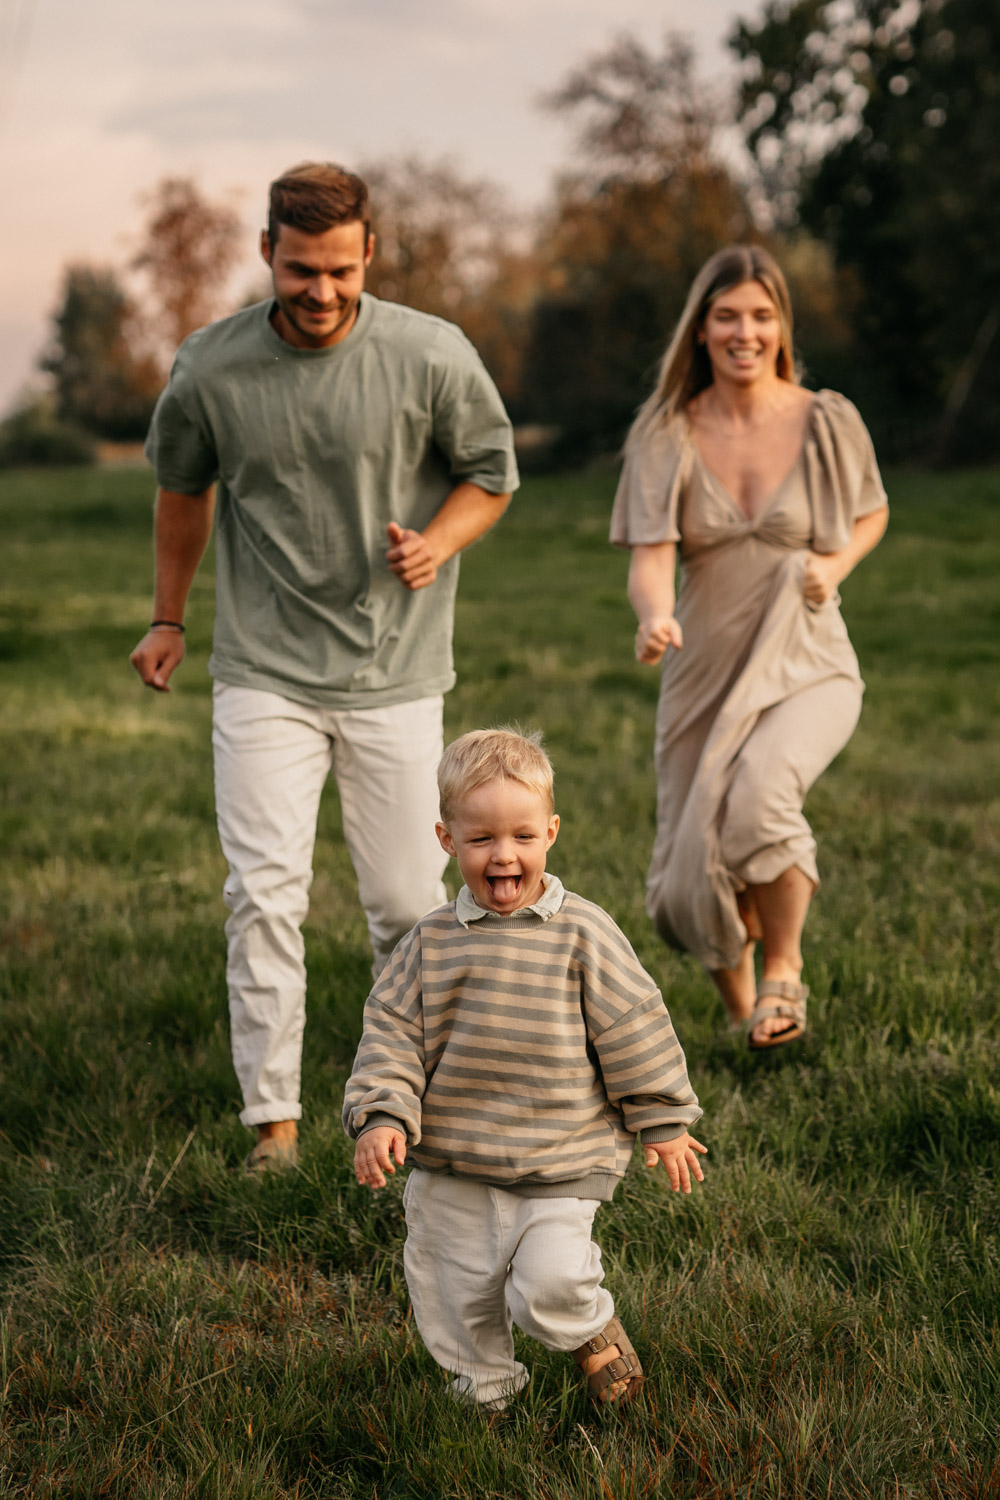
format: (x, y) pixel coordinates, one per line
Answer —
(381, 1122)
(656, 1134)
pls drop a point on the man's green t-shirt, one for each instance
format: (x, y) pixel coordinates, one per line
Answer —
(315, 451)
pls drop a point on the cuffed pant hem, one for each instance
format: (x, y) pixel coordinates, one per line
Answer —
(269, 1114)
(488, 1395)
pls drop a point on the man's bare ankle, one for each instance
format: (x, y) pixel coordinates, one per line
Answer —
(278, 1130)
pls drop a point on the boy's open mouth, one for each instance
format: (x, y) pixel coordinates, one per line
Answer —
(504, 887)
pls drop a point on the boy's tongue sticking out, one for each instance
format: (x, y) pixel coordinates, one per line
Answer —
(504, 887)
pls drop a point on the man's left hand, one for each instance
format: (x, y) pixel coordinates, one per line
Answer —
(410, 557)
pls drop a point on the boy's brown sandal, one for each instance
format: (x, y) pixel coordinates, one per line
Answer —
(625, 1366)
(791, 1006)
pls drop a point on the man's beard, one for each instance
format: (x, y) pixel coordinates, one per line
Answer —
(296, 317)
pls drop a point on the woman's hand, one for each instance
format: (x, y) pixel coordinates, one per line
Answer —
(654, 636)
(822, 575)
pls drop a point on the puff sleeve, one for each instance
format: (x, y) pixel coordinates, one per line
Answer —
(842, 474)
(647, 507)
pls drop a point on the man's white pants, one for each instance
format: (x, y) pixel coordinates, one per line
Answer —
(479, 1259)
(272, 758)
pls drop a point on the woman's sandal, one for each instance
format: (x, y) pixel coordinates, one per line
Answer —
(625, 1365)
(791, 1006)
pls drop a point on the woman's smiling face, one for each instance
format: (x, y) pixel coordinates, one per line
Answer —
(742, 334)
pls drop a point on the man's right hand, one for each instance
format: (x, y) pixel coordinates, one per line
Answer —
(157, 655)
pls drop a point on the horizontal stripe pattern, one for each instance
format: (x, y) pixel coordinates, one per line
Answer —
(520, 1051)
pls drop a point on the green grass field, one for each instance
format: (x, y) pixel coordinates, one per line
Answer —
(820, 1319)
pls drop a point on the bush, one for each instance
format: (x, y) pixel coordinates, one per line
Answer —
(34, 436)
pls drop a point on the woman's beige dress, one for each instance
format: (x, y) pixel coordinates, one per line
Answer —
(766, 689)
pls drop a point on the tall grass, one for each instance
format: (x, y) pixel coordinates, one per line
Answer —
(820, 1319)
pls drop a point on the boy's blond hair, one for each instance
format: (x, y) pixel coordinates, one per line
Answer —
(485, 755)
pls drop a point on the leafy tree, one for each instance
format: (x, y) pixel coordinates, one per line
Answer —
(103, 381)
(34, 435)
(876, 122)
(437, 233)
(650, 201)
(447, 244)
(188, 252)
(641, 117)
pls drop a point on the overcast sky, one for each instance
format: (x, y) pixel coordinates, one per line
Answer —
(101, 98)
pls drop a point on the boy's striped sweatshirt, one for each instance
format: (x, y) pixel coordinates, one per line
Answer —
(522, 1051)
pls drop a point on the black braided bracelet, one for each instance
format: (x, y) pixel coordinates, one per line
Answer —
(174, 625)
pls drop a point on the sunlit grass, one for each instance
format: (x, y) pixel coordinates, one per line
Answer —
(818, 1320)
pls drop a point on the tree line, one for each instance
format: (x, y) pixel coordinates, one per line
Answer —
(868, 165)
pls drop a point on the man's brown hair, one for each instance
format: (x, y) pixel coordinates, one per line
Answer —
(314, 197)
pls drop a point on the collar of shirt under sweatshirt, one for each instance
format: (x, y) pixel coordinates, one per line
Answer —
(467, 908)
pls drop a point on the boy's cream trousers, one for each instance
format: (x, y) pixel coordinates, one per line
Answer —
(272, 758)
(478, 1259)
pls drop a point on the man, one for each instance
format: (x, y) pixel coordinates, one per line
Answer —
(357, 447)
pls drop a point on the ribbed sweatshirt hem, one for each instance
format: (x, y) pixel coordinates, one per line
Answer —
(600, 1185)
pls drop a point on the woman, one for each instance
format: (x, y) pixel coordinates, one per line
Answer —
(773, 495)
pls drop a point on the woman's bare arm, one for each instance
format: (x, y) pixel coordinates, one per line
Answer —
(651, 594)
(826, 570)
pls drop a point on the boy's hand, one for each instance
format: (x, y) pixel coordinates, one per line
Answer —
(374, 1152)
(679, 1160)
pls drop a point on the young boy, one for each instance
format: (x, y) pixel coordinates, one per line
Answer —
(515, 1048)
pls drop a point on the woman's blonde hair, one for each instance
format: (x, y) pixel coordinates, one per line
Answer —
(685, 368)
(485, 755)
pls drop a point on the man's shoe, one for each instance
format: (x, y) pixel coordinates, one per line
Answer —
(273, 1155)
